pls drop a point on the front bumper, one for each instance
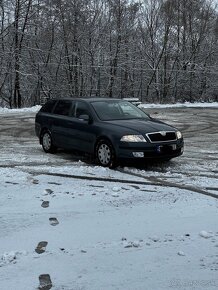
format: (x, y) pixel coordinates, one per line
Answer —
(150, 151)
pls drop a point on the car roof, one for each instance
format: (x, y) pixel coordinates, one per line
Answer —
(86, 99)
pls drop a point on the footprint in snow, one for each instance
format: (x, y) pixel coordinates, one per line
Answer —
(45, 204)
(48, 191)
(41, 247)
(45, 282)
(134, 244)
(35, 181)
(53, 221)
(181, 253)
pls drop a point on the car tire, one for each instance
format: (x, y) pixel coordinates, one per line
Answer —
(47, 143)
(105, 154)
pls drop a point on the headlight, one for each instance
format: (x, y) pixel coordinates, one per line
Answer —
(178, 135)
(133, 138)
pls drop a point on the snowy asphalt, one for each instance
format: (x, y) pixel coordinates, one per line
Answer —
(67, 224)
(199, 126)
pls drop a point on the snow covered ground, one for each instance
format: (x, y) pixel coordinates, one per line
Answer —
(144, 105)
(182, 105)
(70, 225)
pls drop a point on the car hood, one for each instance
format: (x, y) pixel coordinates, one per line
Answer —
(142, 126)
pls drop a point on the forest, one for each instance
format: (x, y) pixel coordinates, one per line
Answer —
(159, 51)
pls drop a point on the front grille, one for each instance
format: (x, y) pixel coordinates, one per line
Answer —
(161, 136)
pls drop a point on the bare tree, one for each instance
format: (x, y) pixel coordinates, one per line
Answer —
(158, 50)
(21, 17)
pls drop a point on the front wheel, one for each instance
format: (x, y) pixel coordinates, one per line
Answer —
(47, 144)
(105, 154)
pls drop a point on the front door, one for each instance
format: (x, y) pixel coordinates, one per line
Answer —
(85, 130)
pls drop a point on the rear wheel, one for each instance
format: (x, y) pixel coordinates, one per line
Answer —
(47, 143)
(105, 154)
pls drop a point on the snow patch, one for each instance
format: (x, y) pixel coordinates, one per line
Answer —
(205, 234)
(181, 253)
(181, 105)
(11, 257)
(34, 109)
(116, 189)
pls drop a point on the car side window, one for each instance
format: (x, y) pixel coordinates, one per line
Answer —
(48, 106)
(63, 108)
(81, 109)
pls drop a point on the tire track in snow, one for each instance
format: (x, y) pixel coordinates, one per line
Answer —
(152, 181)
(160, 182)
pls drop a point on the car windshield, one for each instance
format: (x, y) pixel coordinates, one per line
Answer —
(117, 110)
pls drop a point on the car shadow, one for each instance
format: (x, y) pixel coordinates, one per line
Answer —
(76, 156)
(158, 166)
(89, 160)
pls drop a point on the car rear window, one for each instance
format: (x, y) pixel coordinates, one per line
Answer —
(63, 108)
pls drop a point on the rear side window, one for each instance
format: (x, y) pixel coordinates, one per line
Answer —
(63, 108)
(47, 108)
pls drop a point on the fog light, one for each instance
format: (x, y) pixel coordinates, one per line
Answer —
(138, 154)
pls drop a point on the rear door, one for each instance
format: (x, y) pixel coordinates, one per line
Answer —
(62, 129)
(44, 117)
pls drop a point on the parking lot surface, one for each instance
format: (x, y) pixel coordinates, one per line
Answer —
(69, 224)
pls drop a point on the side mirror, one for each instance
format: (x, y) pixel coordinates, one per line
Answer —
(85, 118)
